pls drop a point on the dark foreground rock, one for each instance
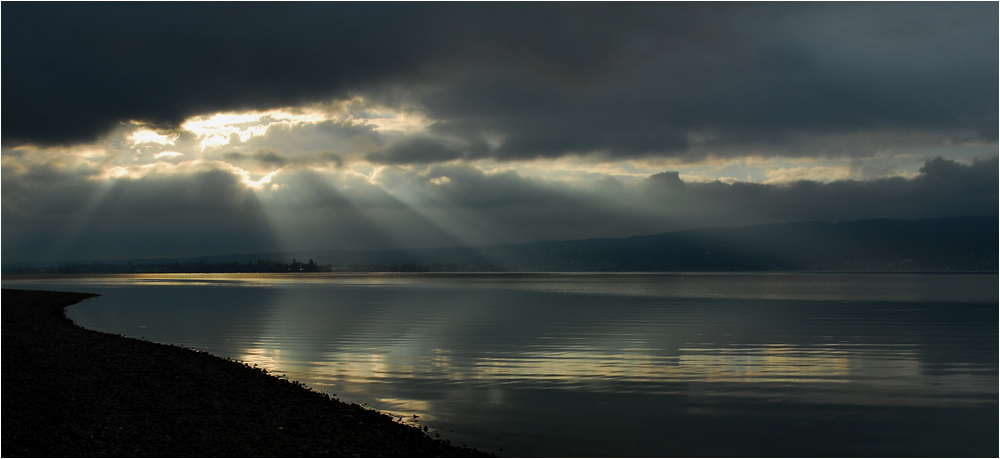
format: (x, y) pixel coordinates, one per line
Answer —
(71, 392)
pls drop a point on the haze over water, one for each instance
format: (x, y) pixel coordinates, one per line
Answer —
(607, 365)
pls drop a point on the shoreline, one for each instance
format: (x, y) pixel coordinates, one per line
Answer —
(73, 392)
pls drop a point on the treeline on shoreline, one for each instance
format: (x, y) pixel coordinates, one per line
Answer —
(258, 266)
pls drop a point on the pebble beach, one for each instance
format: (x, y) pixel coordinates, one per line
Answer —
(72, 392)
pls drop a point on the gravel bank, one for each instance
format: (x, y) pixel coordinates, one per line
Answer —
(71, 392)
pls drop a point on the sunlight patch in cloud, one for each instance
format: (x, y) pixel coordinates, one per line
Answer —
(83, 158)
(189, 167)
(117, 172)
(139, 171)
(771, 170)
(386, 119)
(217, 129)
(442, 180)
(374, 177)
(816, 174)
(257, 184)
(144, 135)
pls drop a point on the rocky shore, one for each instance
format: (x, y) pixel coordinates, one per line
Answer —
(71, 392)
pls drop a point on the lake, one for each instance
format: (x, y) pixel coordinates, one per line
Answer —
(606, 364)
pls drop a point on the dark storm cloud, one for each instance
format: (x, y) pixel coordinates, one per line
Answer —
(269, 159)
(543, 119)
(415, 151)
(793, 70)
(265, 156)
(624, 80)
(75, 69)
(669, 181)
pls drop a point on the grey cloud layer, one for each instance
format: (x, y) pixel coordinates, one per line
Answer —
(472, 87)
(623, 80)
(213, 212)
(943, 188)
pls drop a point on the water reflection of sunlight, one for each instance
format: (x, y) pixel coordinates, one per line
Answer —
(266, 357)
(407, 411)
(767, 364)
(880, 376)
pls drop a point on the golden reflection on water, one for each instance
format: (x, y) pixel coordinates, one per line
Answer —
(407, 411)
(775, 363)
(766, 364)
(876, 374)
(778, 286)
(267, 357)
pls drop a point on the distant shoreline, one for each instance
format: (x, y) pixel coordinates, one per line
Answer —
(73, 392)
(958, 244)
(47, 276)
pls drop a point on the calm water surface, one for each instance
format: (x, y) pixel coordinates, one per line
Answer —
(607, 364)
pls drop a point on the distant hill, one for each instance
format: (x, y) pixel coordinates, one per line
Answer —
(949, 244)
(945, 244)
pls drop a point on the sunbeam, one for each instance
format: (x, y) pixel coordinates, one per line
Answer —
(73, 233)
(541, 228)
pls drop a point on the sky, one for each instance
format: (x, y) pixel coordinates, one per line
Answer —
(142, 130)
